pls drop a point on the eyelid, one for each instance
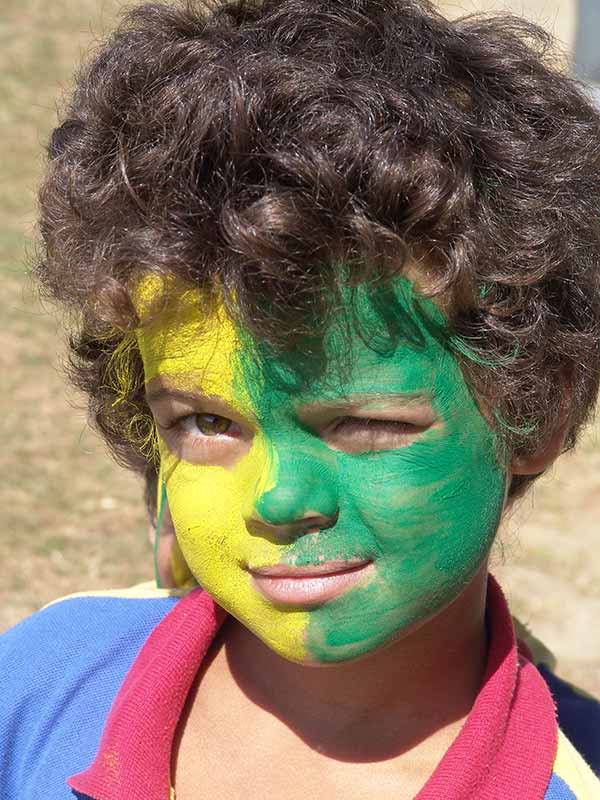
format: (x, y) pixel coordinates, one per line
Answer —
(421, 417)
(378, 422)
(368, 435)
(181, 423)
(417, 413)
(168, 410)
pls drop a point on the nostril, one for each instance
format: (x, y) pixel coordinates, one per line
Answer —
(309, 523)
(317, 522)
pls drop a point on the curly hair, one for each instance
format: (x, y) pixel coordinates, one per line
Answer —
(250, 147)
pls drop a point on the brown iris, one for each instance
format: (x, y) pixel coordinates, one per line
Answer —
(212, 424)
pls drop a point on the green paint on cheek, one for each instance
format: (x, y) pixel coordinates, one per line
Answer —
(430, 511)
(426, 514)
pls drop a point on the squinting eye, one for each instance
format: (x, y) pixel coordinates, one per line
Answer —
(206, 424)
(364, 435)
(373, 427)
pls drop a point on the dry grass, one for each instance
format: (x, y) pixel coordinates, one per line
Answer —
(75, 521)
(72, 519)
(551, 569)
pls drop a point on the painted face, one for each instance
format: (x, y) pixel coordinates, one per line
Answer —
(330, 510)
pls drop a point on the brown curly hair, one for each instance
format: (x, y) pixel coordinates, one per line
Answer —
(250, 147)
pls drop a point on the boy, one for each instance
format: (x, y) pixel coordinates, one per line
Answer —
(335, 268)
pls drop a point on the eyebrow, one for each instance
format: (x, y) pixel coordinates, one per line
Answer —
(343, 402)
(363, 398)
(365, 402)
(153, 395)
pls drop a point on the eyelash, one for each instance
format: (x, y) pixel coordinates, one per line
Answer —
(347, 424)
(185, 423)
(353, 435)
(382, 425)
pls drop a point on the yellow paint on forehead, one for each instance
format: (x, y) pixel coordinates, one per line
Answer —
(182, 335)
(193, 344)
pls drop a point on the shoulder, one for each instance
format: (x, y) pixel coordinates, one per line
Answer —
(75, 631)
(572, 778)
(578, 716)
(61, 669)
(578, 713)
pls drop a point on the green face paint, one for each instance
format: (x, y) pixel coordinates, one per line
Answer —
(419, 503)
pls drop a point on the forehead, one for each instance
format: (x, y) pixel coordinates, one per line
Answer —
(181, 333)
(388, 340)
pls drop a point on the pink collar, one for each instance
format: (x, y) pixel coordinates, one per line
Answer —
(506, 747)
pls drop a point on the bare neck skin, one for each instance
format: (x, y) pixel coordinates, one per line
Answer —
(410, 698)
(381, 705)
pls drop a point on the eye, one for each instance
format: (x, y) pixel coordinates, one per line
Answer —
(208, 425)
(205, 438)
(366, 435)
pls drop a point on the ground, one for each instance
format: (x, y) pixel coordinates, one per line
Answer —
(73, 520)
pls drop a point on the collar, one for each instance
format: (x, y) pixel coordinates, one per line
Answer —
(506, 747)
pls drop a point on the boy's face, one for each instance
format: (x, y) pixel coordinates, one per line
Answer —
(330, 515)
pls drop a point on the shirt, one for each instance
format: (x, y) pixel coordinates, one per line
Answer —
(94, 685)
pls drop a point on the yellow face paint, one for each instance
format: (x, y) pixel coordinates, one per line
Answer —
(188, 347)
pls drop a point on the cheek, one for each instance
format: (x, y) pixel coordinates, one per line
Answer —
(208, 506)
(205, 506)
(441, 492)
(432, 511)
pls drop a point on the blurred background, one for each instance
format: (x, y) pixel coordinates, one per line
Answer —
(74, 521)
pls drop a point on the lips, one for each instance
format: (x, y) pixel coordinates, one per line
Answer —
(310, 585)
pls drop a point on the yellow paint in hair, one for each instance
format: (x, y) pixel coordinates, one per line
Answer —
(124, 382)
(118, 376)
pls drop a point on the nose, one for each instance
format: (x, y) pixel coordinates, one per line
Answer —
(305, 495)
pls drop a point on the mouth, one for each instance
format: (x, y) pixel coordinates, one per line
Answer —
(310, 585)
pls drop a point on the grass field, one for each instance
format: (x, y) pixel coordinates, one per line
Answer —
(73, 520)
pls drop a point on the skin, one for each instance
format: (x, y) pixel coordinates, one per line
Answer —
(370, 453)
(170, 567)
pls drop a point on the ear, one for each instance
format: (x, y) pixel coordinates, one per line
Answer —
(537, 462)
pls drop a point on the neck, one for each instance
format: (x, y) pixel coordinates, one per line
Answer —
(381, 705)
